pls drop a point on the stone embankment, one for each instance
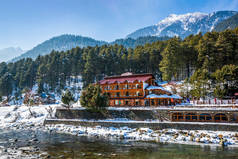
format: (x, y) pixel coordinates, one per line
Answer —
(156, 119)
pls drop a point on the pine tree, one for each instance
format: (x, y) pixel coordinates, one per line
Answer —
(207, 51)
(226, 81)
(200, 83)
(93, 99)
(89, 74)
(6, 84)
(41, 77)
(68, 99)
(171, 61)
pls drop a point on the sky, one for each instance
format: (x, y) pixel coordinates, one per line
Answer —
(26, 23)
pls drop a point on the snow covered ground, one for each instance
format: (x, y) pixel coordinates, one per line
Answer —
(14, 116)
(20, 117)
(145, 134)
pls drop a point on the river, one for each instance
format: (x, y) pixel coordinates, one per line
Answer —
(56, 145)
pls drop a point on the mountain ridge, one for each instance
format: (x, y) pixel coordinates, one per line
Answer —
(184, 24)
(230, 23)
(59, 43)
(9, 53)
(68, 41)
(174, 25)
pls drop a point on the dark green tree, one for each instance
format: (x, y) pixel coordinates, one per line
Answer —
(171, 60)
(226, 81)
(6, 84)
(200, 82)
(68, 99)
(93, 99)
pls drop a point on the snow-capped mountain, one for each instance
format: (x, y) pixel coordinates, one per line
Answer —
(230, 23)
(184, 25)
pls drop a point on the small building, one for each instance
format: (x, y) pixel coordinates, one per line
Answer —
(137, 90)
(204, 114)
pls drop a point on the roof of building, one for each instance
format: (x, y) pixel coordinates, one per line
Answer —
(155, 87)
(158, 96)
(174, 96)
(126, 77)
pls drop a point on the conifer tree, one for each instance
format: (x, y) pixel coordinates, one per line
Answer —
(200, 83)
(93, 99)
(6, 84)
(68, 99)
(226, 81)
(171, 60)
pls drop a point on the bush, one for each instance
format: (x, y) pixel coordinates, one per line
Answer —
(92, 98)
(68, 99)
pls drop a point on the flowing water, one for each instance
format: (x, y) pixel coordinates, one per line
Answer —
(67, 146)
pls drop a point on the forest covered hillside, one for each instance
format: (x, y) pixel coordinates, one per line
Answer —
(206, 61)
(67, 42)
(59, 43)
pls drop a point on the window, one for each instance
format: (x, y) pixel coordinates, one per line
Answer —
(108, 94)
(159, 102)
(220, 117)
(177, 116)
(127, 103)
(205, 117)
(152, 102)
(147, 103)
(134, 86)
(137, 103)
(118, 94)
(117, 87)
(191, 116)
(127, 94)
(138, 86)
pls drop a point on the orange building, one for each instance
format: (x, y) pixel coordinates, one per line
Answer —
(136, 90)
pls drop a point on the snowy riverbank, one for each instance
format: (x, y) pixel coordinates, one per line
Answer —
(24, 116)
(21, 118)
(145, 134)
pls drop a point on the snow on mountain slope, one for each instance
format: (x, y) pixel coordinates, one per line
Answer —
(184, 25)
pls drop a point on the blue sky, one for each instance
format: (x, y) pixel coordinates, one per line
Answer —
(26, 23)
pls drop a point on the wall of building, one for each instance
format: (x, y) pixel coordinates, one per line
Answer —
(125, 90)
